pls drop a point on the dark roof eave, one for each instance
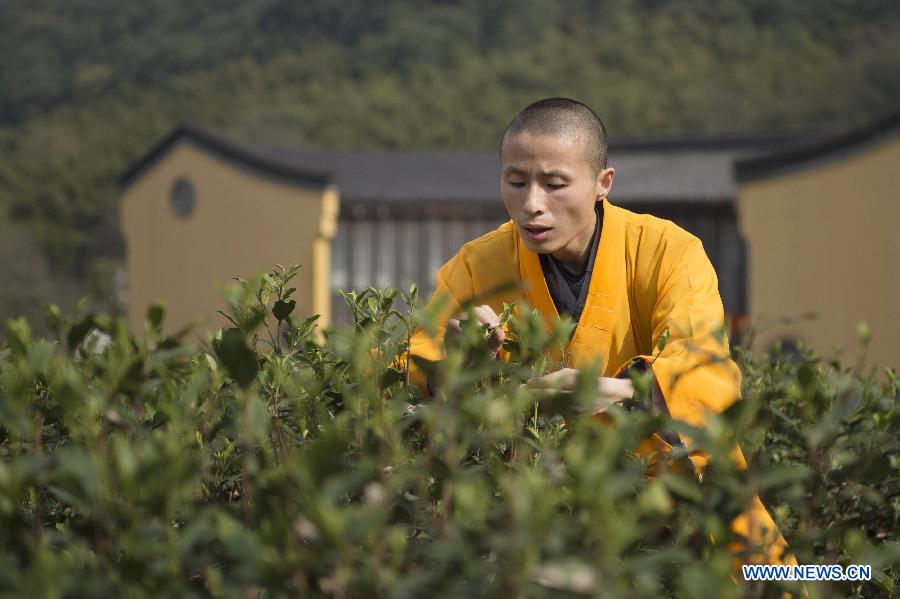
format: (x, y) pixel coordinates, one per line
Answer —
(627, 199)
(707, 200)
(810, 155)
(226, 150)
(455, 200)
(721, 141)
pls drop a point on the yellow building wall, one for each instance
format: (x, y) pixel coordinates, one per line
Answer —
(824, 239)
(243, 223)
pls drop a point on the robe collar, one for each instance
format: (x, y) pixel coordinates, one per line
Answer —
(597, 322)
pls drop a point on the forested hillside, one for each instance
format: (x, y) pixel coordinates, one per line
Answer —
(86, 87)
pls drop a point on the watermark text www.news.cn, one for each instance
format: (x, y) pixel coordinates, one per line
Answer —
(833, 572)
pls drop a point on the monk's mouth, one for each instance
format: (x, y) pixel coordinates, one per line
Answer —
(537, 233)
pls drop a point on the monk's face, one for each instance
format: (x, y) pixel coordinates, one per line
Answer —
(549, 189)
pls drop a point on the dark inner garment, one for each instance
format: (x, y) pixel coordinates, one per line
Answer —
(569, 290)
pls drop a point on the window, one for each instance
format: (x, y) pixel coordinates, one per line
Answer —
(182, 198)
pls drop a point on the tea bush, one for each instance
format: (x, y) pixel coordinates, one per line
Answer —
(265, 461)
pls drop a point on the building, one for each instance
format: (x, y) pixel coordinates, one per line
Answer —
(403, 214)
(198, 210)
(824, 253)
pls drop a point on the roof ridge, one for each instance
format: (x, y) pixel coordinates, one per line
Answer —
(770, 165)
(226, 149)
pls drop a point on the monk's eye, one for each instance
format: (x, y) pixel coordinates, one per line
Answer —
(517, 183)
(555, 186)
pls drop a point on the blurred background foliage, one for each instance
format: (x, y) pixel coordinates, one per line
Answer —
(87, 87)
(262, 463)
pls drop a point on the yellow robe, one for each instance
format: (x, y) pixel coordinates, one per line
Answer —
(649, 276)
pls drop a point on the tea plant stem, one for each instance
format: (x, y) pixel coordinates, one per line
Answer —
(36, 492)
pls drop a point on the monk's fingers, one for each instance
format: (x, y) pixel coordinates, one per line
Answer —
(495, 340)
(484, 314)
(563, 379)
(603, 404)
(489, 319)
(611, 391)
(453, 329)
(616, 389)
(487, 316)
(538, 384)
(535, 382)
(543, 393)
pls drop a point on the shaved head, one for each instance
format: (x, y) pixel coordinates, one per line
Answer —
(563, 118)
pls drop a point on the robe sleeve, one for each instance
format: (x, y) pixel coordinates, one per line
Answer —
(696, 375)
(454, 291)
(694, 370)
(453, 288)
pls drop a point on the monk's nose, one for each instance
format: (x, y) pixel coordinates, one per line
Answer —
(535, 201)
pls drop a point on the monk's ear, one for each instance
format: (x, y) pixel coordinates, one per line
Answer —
(604, 182)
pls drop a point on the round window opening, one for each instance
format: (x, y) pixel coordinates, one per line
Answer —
(182, 198)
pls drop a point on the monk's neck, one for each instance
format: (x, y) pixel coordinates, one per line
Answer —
(575, 255)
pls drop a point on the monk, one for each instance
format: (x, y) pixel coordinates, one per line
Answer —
(626, 279)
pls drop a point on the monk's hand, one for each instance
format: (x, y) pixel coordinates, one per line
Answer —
(486, 317)
(609, 390)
